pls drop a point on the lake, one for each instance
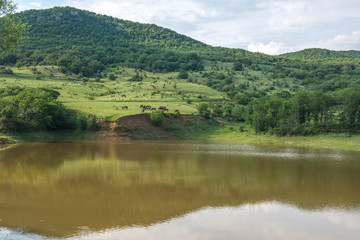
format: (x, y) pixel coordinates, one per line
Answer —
(177, 190)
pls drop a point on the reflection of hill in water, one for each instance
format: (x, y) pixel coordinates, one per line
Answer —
(56, 188)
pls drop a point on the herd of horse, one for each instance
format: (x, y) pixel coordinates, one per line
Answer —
(148, 107)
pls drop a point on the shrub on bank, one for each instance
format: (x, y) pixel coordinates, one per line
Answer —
(156, 117)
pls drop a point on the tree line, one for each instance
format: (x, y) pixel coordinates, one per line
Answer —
(302, 113)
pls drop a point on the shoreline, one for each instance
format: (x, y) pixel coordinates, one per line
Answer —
(335, 141)
(185, 127)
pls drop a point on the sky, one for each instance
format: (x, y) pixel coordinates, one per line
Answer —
(267, 26)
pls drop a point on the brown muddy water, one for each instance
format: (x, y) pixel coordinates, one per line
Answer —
(177, 190)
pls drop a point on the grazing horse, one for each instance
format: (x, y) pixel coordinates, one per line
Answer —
(125, 107)
(145, 107)
(176, 111)
(162, 108)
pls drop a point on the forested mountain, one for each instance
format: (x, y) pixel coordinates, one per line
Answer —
(84, 42)
(66, 26)
(318, 53)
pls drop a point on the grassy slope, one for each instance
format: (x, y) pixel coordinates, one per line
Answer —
(105, 99)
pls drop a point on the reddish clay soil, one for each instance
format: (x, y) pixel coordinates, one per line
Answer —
(138, 127)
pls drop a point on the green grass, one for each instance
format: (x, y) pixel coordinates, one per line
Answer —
(105, 98)
(341, 141)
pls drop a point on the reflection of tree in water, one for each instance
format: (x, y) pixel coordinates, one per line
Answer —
(102, 185)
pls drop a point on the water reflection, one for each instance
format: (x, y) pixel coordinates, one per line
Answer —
(62, 189)
(262, 221)
(268, 220)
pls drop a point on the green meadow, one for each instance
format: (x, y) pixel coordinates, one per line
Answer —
(105, 98)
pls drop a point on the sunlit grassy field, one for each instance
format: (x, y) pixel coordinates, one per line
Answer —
(105, 98)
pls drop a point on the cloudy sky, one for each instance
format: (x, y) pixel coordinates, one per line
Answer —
(268, 26)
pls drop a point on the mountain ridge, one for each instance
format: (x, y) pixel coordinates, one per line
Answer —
(321, 53)
(91, 25)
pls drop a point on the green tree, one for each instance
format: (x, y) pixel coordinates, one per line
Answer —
(11, 29)
(183, 74)
(301, 107)
(32, 109)
(320, 105)
(112, 77)
(136, 78)
(204, 110)
(156, 117)
(350, 115)
(238, 66)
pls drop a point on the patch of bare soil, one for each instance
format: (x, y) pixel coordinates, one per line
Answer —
(138, 127)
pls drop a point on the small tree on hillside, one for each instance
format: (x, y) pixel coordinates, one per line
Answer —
(112, 77)
(204, 110)
(238, 66)
(183, 74)
(136, 78)
(156, 117)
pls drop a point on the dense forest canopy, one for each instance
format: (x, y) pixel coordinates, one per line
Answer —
(85, 42)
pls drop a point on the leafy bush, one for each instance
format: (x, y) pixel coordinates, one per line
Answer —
(112, 77)
(6, 71)
(34, 108)
(156, 117)
(183, 74)
(136, 78)
(204, 110)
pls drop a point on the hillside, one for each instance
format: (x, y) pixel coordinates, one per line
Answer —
(67, 32)
(98, 64)
(85, 42)
(66, 26)
(318, 53)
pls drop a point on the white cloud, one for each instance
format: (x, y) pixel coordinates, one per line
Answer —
(339, 42)
(272, 48)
